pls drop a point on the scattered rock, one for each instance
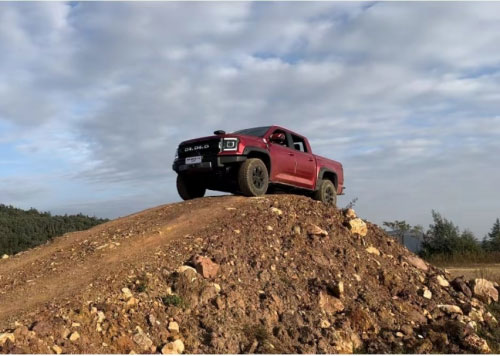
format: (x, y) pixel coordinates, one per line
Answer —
(7, 336)
(100, 317)
(373, 250)
(470, 328)
(460, 286)
(490, 320)
(484, 290)
(74, 336)
(417, 262)
(476, 315)
(407, 330)
(5, 256)
(343, 344)
(442, 281)
(183, 269)
(176, 347)
(132, 302)
(126, 293)
(142, 340)
(350, 214)
(338, 289)
(205, 266)
(57, 349)
(217, 287)
(450, 309)
(324, 324)
(277, 211)
(173, 327)
(316, 231)
(427, 294)
(361, 320)
(297, 230)
(358, 226)
(424, 347)
(476, 344)
(329, 304)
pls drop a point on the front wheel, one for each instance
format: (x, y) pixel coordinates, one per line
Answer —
(189, 188)
(327, 193)
(253, 178)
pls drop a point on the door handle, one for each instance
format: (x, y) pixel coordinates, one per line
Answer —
(311, 160)
(290, 154)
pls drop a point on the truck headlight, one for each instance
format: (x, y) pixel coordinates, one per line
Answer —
(230, 144)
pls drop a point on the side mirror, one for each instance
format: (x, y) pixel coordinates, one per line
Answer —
(277, 138)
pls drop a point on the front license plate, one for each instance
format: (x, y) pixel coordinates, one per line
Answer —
(193, 160)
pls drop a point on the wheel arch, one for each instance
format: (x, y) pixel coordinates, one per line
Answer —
(325, 173)
(257, 152)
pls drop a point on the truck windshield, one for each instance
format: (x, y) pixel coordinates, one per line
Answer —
(255, 131)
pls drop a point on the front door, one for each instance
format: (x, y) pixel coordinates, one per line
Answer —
(282, 159)
(305, 170)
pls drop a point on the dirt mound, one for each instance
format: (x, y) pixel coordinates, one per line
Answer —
(278, 274)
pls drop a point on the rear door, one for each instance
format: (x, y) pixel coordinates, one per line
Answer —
(305, 171)
(282, 160)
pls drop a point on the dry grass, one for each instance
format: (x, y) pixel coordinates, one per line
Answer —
(490, 272)
(465, 259)
(472, 265)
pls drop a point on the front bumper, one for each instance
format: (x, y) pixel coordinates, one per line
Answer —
(208, 164)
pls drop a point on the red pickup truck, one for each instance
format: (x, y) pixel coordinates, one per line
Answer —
(255, 161)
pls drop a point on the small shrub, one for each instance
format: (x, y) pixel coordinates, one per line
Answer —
(142, 286)
(174, 300)
(352, 203)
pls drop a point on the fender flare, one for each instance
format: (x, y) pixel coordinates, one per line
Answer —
(321, 173)
(250, 149)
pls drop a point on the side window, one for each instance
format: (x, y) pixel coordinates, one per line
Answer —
(279, 137)
(299, 143)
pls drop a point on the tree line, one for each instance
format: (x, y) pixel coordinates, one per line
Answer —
(446, 239)
(24, 229)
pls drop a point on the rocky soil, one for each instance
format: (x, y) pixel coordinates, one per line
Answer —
(277, 274)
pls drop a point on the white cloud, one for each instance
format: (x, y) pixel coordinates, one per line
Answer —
(404, 94)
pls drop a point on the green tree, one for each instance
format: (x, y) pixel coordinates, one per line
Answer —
(444, 237)
(24, 229)
(401, 228)
(491, 241)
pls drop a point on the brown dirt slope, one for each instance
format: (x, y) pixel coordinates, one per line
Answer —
(282, 274)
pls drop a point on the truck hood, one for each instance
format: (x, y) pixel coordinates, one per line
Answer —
(213, 137)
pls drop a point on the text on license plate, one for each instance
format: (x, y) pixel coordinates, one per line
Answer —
(193, 160)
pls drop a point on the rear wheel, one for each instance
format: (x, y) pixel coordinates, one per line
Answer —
(327, 193)
(189, 188)
(253, 178)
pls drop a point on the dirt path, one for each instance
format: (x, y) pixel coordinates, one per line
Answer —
(70, 264)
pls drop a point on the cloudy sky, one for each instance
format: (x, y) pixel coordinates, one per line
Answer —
(95, 97)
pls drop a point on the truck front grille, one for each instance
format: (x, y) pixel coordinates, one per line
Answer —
(199, 148)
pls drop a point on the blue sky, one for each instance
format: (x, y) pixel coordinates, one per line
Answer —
(95, 97)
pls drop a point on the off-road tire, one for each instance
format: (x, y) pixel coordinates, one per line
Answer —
(189, 188)
(327, 193)
(253, 178)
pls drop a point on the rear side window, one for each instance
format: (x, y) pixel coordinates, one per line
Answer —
(299, 143)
